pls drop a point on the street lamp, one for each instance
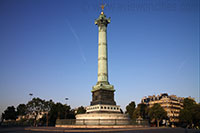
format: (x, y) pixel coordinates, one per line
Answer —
(30, 94)
(66, 100)
(66, 106)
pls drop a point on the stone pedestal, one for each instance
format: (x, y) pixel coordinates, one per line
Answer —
(103, 97)
(102, 119)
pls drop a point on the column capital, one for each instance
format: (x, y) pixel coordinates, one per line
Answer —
(102, 20)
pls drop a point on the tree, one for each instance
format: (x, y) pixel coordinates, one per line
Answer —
(190, 114)
(35, 107)
(140, 111)
(2, 117)
(81, 110)
(157, 113)
(196, 115)
(60, 111)
(21, 109)
(47, 107)
(188, 103)
(9, 113)
(185, 117)
(130, 109)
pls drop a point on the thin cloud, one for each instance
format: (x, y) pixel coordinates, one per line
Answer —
(182, 65)
(77, 40)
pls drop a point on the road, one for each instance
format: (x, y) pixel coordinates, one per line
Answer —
(64, 130)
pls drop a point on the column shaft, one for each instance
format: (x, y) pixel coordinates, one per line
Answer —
(102, 55)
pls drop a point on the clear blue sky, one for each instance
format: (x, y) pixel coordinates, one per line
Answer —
(49, 48)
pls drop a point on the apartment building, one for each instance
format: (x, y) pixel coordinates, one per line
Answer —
(171, 104)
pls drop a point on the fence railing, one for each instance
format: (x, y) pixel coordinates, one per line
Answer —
(16, 124)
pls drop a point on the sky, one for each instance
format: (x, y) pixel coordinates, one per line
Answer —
(49, 48)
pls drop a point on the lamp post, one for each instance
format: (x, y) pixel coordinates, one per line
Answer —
(66, 100)
(47, 119)
(30, 94)
(66, 106)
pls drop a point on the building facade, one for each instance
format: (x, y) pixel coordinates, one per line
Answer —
(171, 104)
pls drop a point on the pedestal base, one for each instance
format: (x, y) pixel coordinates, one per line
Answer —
(102, 119)
(102, 96)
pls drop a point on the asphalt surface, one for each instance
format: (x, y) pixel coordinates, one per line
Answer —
(65, 130)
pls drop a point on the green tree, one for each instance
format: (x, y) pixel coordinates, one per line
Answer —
(190, 114)
(2, 115)
(141, 111)
(185, 117)
(60, 111)
(36, 107)
(10, 113)
(157, 113)
(196, 115)
(188, 103)
(21, 109)
(81, 110)
(47, 107)
(130, 109)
